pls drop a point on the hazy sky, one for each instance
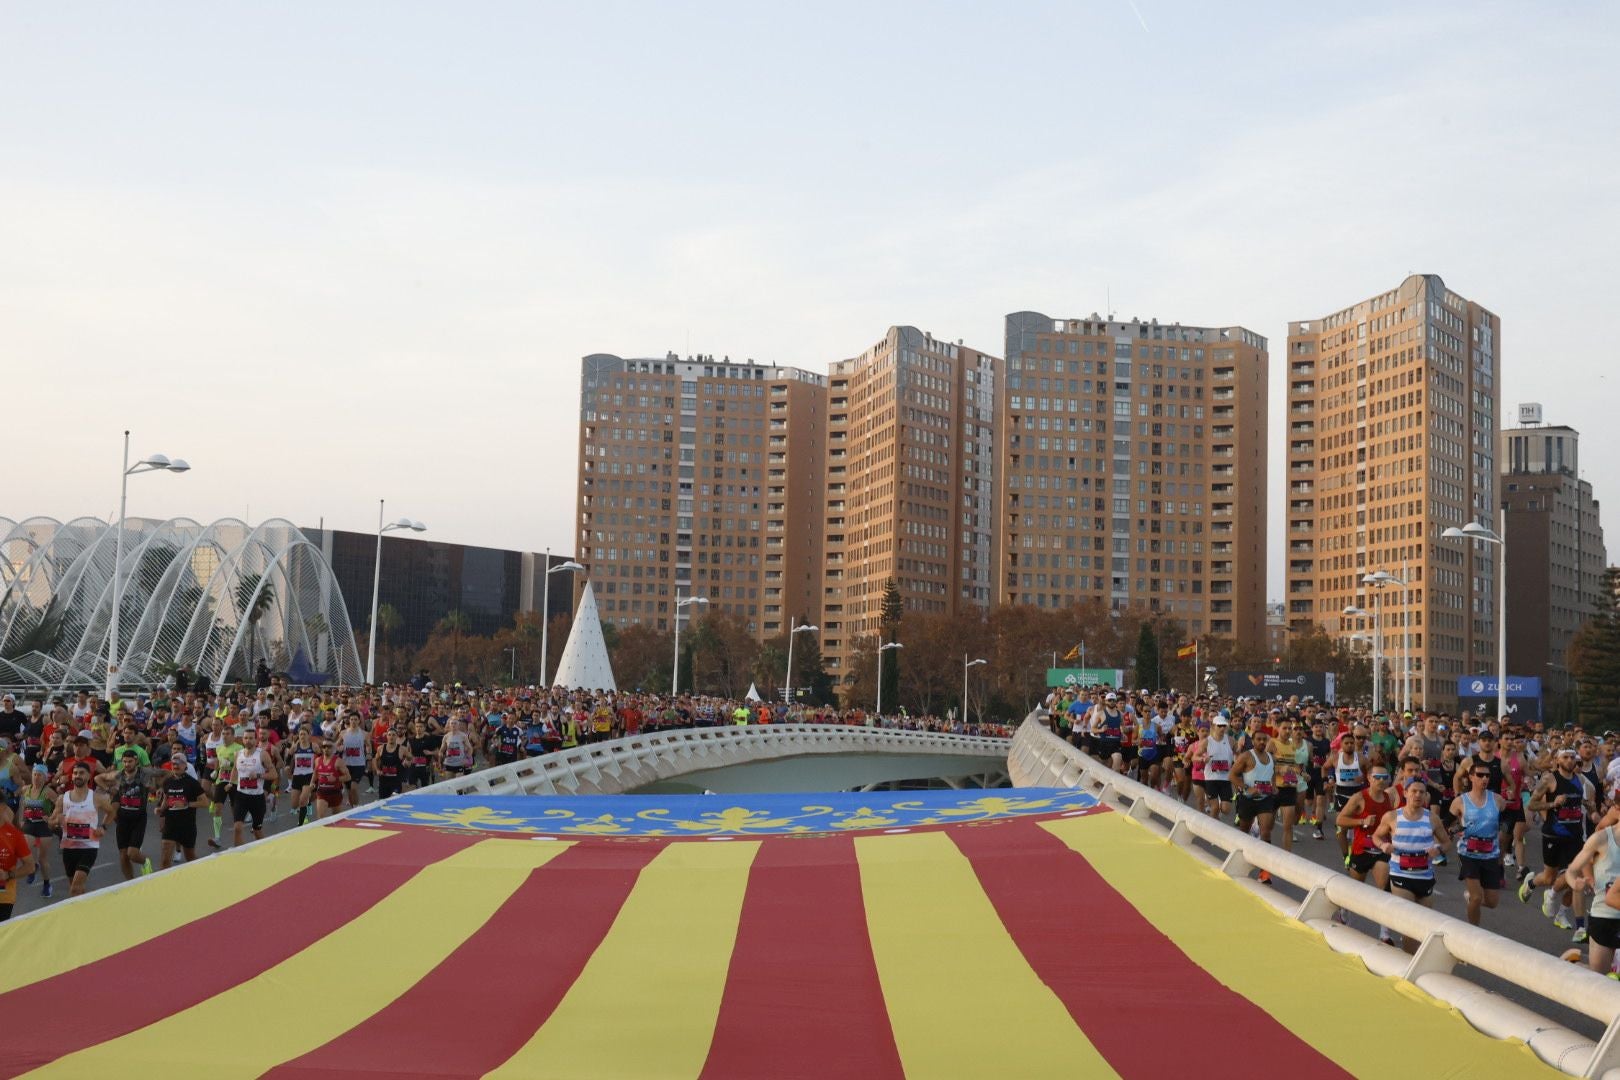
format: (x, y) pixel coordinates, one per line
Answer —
(337, 252)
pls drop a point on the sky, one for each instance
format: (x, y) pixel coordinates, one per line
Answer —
(334, 253)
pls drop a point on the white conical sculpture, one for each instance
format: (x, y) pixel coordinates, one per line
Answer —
(753, 693)
(584, 664)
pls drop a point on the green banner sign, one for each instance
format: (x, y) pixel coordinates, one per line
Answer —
(1067, 676)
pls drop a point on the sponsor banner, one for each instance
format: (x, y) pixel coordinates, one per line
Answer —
(1090, 676)
(1270, 684)
(1484, 686)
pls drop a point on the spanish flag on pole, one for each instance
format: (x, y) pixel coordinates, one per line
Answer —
(1072, 654)
(1188, 651)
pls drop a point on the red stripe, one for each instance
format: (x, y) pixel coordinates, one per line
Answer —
(1145, 1006)
(485, 1000)
(802, 998)
(174, 971)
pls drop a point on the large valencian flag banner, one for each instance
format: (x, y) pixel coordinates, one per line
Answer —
(1008, 934)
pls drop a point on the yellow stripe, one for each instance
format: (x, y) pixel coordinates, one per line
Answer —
(323, 991)
(647, 1002)
(940, 947)
(105, 923)
(1244, 943)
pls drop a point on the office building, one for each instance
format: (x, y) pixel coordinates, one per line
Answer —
(1132, 462)
(909, 481)
(1555, 547)
(1393, 411)
(701, 477)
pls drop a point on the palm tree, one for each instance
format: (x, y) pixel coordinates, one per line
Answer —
(454, 623)
(388, 620)
(253, 603)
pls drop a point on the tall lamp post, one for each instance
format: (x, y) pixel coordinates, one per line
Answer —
(545, 612)
(152, 463)
(675, 676)
(1378, 579)
(1484, 533)
(793, 631)
(376, 584)
(883, 648)
(1377, 653)
(966, 663)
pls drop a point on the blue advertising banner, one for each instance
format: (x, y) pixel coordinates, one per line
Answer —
(1477, 694)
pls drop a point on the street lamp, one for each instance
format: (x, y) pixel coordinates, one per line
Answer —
(152, 463)
(1378, 579)
(1377, 652)
(882, 648)
(545, 611)
(787, 689)
(966, 663)
(675, 677)
(376, 584)
(1484, 533)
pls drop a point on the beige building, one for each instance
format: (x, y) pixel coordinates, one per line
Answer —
(909, 474)
(1555, 547)
(1393, 410)
(701, 477)
(1132, 470)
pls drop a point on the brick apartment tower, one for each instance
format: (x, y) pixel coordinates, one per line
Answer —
(1393, 410)
(1132, 463)
(701, 477)
(909, 474)
(1555, 544)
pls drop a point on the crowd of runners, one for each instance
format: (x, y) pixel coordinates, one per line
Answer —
(205, 771)
(1400, 793)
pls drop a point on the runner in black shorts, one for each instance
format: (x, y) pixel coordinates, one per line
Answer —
(389, 765)
(130, 789)
(178, 802)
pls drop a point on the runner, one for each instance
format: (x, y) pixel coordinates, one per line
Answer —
(182, 796)
(389, 765)
(456, 751)
(355, 745)
(16, 861)
(301, 755)
(1480, 850)
(38, 803)
(1293, 753)
(1563, 799)
(1358, 819)
(131, 788)
(1518, 777)
(331, 777)
(1597, 866)
(1409, 838)
(1349, 780)
(1254, 781)
(1107, 726)
(81, 819)
(252, 774)
(422, 746)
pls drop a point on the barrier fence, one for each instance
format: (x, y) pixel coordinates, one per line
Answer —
(1040, 759)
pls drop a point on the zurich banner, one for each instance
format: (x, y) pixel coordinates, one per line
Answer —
(1477, 694)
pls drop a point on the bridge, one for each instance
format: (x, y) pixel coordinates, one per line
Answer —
(1075, 924)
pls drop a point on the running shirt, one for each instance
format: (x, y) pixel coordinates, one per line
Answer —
(1260, 781)
(1513, 783)
(131, 796)
(457, 752)
(1362, 840)
(354, 752)
(179, 792)
(1605, 868)
(1482, 829)
(13, 850)
(36, 808)
(1348, 776)
(80, 819)
(1410, 857)
(388, 763)
(1432, 751)
(211, 745)
(1567, 821)
(326, 775)
(250, 770)
(303, 760)
(1219, 755)
(187, 736)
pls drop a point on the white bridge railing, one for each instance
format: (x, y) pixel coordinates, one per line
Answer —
(619, 765)
(1041, 759)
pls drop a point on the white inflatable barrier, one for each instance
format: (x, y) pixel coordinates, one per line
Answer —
(1040, 759)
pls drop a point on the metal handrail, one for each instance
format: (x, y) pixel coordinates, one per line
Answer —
(1040, 759)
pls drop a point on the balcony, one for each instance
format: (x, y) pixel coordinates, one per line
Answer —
(1223, 374)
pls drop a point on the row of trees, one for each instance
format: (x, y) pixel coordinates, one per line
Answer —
(1594, 660)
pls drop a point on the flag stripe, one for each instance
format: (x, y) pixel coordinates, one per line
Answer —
(962, 1001)
(103, 924)
(449, 1023)
(1116, 972)
(1242, 942)
(177, 970)
(645, 1005)
(803, 915)
(333, 984)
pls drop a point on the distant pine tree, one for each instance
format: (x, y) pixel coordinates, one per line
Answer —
(1595, 659)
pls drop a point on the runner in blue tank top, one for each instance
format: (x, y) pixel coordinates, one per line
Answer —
(1479, 848)
(1412, 836)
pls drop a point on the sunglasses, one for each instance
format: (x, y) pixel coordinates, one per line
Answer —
(1482, 776)
(1379, 775)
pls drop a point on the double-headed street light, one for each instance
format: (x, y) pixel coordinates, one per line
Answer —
(1379, 579)
(545, 610)
(151, 463)
(1354, 612)
(675, 677)
(1484, 533)
(966, 663)
(376, 584)
(881, 649)
(793, 631)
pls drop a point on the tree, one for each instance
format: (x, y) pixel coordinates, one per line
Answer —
(723, 653)
(253, 602)
(641, 657)
(888, 661)
(1594, 659)
(388, 622)
(453, 628)
(1147, 656)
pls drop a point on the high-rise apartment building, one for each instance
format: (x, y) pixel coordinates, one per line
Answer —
(701, 477)
(1132, 470)
(1393, 410)
(909, 473)
(1555, 547)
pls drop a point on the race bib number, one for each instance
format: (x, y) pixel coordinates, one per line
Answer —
(1410, 861)
(1475, 845)
(1219, 767)
(248, 785)
(1262, 790)
(75, 830)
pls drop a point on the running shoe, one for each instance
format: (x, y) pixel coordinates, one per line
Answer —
(1579, 935)
(1615, 975)
(1440, 859)
(1549, 904)
(31, 878)
(1508, 861)
(1525, 888)
(146, 867)
(46, 892)
(1524, 872)
(1317, 833)
(1563, 921)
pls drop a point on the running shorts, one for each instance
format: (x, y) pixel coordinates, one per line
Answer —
(248, 806)
(1488, 872)
(1363, 863)
(181, 831)
(1559, 851)
(78, 860)
(1420, 888)
(1220, 790)
(131, 831)
(1604, 931)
